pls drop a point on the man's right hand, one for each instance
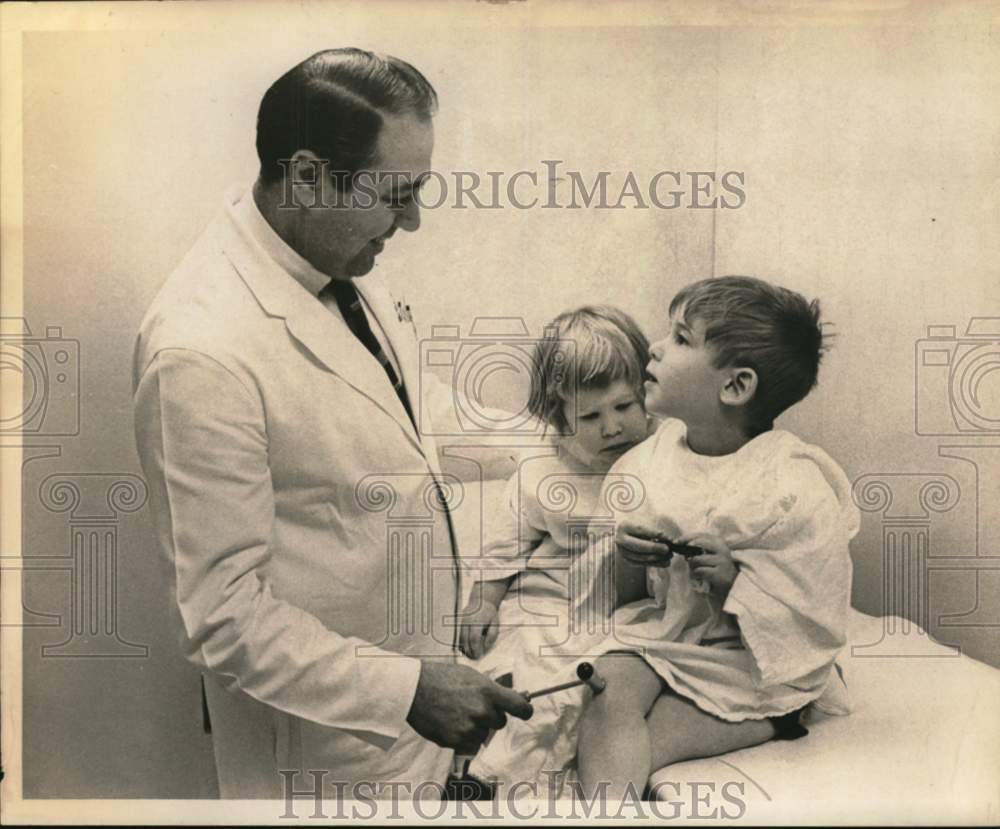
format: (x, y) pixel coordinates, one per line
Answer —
(457, 707)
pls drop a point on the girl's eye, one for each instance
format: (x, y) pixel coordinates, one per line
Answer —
(680, 339)
(623, 406)
(590, 416)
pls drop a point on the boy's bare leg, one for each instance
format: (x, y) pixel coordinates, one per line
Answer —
(614, 747)
(679, 730)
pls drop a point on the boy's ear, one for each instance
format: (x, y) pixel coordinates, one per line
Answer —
(739, 388)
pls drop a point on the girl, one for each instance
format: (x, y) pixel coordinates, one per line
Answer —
(587, 386)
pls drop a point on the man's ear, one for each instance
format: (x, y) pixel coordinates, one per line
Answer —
(304, 172)
(739, 388)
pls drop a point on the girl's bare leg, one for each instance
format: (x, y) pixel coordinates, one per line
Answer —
(614, 748)
(679, 730)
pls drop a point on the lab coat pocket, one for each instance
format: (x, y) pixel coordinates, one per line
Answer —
(359, 553)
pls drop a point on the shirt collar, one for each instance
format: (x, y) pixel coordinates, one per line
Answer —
(253, 223)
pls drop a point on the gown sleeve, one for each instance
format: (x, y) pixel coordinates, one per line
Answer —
(791, 596)
(512, 533)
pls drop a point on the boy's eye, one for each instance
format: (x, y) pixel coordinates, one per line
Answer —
(680, 339)
(623, 406)
(589, 416)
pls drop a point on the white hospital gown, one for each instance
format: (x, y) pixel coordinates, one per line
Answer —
(551, 508)
(785, 510)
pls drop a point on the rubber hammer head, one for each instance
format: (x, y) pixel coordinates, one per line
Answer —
(585, 671)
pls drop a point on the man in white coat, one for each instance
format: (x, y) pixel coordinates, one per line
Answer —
(274, 426)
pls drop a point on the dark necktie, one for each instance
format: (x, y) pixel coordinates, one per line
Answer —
(349, 303)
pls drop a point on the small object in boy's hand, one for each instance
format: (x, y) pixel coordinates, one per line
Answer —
(686, 550)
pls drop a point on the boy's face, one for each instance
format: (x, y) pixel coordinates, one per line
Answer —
(684, 383)
(609, 422)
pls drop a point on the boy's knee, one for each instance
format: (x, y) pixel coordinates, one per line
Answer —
(615, 699)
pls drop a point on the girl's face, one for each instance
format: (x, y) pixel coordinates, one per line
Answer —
(608, 422)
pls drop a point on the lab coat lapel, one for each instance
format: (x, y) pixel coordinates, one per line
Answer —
(325, 335)
(402, 340)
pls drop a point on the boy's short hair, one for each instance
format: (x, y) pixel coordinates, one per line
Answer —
(774, 331)
(587, 348)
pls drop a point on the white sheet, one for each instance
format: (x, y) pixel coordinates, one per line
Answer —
(922, 746)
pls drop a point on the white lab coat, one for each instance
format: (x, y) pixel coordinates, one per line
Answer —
(294, 503)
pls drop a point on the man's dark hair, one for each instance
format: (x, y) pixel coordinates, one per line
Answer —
(774, 331)
(332, 104)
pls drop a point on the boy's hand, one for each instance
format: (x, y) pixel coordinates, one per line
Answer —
(479, 629)
(641, 546)
(715, 567)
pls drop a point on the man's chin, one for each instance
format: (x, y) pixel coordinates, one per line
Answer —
(360, 264)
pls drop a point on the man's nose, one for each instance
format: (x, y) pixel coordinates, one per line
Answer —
(408, 218)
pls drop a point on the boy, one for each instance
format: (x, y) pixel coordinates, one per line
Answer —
(722, 647)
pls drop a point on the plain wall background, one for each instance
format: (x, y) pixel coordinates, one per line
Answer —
(871, 179)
